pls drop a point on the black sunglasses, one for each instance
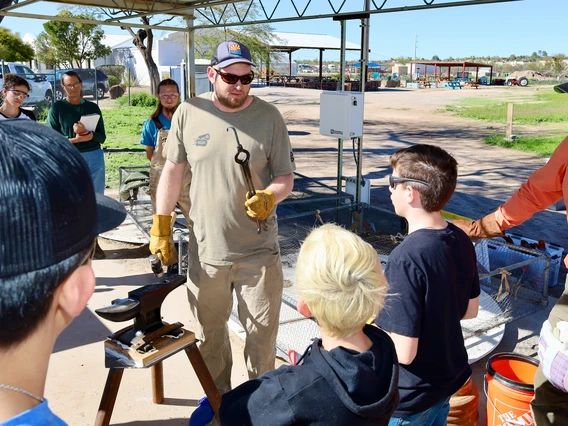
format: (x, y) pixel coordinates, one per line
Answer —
(393, 180)
(233, 78)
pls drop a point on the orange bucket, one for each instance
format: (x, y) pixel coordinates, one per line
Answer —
(510, 389)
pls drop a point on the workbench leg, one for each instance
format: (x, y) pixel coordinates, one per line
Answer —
(158, 382)
(204, 377)
(109, 396)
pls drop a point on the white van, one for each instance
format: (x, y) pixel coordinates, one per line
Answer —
(41, 88)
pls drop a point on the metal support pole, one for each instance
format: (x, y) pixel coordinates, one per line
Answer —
(342, 87)
(342, 53)
(190, 54)
(129, 63)
(365, 24)
(96, 86)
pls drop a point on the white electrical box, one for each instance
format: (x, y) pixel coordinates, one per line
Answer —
(351, 188)
(341, 114)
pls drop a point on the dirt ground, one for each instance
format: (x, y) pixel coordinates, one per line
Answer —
(393, 119)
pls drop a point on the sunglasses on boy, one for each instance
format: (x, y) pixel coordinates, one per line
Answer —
(393, 180)
(233, 78)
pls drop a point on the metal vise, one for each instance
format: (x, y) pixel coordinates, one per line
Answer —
(144, 305)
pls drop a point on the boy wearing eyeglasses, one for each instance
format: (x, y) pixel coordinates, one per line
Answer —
(49, 219)
(433, 283)
(154, 135)
(228, 249)
(14, 93)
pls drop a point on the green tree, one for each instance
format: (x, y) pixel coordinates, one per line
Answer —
(13, 48)
(256, 37)
(556, 62)
(69, 44)
(436, 58)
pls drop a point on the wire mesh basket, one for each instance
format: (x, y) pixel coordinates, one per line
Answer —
(522, 292)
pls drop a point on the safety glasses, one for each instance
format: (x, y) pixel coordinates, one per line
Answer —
(168, 95)
(233, 78)
(393, 180)
(19, 94)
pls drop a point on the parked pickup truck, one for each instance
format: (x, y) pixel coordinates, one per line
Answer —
(41, 88)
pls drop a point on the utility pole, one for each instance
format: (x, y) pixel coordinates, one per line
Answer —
(415, 45)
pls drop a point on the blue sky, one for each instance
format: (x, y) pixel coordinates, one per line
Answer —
(500, 29)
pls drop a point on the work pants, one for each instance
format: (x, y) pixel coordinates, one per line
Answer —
(257, 283)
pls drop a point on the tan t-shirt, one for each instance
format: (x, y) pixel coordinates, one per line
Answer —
(198, 134)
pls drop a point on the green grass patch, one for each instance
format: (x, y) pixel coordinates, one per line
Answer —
(122, 147)
(540, 146)
(530, 110)
(123, 127)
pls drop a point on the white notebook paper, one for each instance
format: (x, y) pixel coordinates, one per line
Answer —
(90, 121)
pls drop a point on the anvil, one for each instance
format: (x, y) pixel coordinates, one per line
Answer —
(144, 305)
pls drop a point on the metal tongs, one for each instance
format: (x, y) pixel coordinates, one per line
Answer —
(244, 163)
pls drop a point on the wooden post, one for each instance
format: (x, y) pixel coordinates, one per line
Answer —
(158, 383)
(509, 121)
(109, 396)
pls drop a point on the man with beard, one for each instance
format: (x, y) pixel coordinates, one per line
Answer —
(227, 251)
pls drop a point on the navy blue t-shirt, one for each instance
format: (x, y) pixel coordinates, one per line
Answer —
(432, 276)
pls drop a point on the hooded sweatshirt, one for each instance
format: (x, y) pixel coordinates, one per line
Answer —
(337, 387)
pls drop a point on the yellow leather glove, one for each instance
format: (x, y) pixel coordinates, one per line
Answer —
(260, 204)
(486, 227)
(161, 242)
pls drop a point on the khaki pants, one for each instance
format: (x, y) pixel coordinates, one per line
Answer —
(550, 405)
(258, 286)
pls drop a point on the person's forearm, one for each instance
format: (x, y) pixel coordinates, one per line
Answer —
(149, 152)
(281, 186)
(169, 187)
(80, 139)
(543, 188)
(472, 309)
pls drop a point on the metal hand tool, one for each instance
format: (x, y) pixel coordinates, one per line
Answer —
(244, 163)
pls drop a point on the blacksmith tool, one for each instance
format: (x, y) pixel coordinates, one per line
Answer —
(144, 305)
(244, 163)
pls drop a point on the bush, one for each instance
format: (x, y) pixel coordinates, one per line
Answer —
(40, 111)
(112, 80)
(114, 70)
(140, 99)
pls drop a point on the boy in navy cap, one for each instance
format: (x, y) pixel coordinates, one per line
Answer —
(49, 219)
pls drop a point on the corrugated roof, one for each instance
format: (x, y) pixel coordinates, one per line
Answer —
(287, 42)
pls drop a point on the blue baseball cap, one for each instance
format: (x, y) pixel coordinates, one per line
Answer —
(231, 52)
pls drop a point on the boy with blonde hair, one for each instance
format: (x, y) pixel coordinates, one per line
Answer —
(350, 375)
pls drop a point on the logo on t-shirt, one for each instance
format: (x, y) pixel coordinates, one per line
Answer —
(291, 157)
(201, 140)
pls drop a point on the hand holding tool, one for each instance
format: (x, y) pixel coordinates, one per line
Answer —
(260, 204)
(161, 242)
(242, 158)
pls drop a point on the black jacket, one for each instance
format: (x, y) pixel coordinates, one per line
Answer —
(339, 387)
